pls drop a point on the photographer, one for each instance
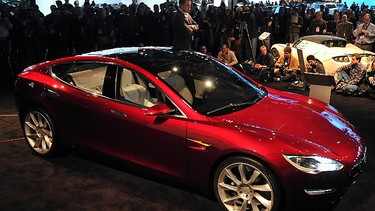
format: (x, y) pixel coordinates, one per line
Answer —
(365, 33)
(246, 33)
(288, 65)
(265, 65)
(313, 66)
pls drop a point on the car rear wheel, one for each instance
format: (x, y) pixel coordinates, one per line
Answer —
(242, 183)
(275, 53)
(39, 133)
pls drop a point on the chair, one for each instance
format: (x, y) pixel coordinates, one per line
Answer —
(137, 94)
(177, 82)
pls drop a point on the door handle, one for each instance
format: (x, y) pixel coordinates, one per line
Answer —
(119, 113)
(53, 93)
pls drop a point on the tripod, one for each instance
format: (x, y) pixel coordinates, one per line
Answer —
(243, 28)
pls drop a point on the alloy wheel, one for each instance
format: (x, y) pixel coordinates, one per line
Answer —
(243, 186)
(39, 132)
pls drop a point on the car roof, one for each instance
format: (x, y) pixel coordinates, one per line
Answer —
(320, 38)
(123, 50)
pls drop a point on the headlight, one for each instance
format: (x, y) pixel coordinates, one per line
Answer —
(313, 164)
(341, 58)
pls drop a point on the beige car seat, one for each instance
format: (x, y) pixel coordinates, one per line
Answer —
(178, 83)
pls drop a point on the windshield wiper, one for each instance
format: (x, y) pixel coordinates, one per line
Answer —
(233, 105)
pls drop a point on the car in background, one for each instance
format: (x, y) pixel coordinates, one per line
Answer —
(331, 51)
(342, 8)
(330, 5)
(196, 121)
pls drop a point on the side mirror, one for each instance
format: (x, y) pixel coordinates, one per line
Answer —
(158, 109)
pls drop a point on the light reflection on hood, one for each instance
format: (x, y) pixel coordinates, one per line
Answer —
(283, 99)
(339, 124)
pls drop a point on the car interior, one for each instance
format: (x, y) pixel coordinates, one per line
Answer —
(133, 88)
(86, 76)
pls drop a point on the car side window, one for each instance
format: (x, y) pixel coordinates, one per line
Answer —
(136, 89)
(84, 75)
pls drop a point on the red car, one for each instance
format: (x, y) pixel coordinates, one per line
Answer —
(189, 117)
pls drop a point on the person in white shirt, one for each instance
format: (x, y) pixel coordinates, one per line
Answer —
(227, 56)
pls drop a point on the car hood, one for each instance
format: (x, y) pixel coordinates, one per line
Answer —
(299, 117)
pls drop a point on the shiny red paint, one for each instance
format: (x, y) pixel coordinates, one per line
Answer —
(281, 123)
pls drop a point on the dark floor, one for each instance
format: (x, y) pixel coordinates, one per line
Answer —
(83, 181)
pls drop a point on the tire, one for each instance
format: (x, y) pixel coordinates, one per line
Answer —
(275, 53)
(39, 133)
(253, 189)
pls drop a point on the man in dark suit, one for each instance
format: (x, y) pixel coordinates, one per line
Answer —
(345, 28)
(318, 25)
(183, 26)
(333, 24)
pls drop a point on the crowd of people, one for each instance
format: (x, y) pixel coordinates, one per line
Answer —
(28, 36)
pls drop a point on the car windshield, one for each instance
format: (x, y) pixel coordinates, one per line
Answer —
(210, 87)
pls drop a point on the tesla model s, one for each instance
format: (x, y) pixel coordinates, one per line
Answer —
(186, 116)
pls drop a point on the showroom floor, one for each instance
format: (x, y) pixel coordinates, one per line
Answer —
(83, 180)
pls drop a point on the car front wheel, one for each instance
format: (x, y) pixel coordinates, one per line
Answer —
(39, 132)
(242, 183)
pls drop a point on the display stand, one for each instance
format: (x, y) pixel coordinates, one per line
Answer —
(320, 86)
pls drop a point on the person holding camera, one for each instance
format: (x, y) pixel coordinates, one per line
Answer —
(265, 65)
(365, 33)
(313, 66)
(288, 65)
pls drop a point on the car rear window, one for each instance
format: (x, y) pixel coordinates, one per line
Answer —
(334, 43)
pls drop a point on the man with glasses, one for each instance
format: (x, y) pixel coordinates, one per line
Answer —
(350, 76)
(365, 33)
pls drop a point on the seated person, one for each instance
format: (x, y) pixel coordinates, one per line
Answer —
(265, 59)
(265, 65)
(350, 76)
(367, 88)
(313, 66)
(288, 65)
(203, 49)
(227, 56)
(371, 75)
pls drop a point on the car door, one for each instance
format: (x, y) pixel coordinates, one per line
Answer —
(80, 102)
(157, 142)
